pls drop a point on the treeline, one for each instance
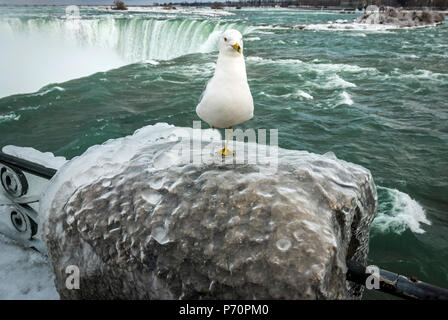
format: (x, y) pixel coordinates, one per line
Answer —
(354, 4)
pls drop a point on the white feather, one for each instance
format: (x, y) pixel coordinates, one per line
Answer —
(226, 100)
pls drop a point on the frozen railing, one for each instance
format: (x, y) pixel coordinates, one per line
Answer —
(22, 184)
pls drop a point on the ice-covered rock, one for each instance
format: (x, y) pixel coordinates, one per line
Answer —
(142, 222)
(400, 18)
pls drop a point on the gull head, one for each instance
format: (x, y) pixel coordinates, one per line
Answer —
(231, 43)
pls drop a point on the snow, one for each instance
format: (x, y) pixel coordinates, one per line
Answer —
(117, 153)
(46, 159)
(25, 274)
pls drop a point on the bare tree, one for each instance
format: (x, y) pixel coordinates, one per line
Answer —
(119, 5)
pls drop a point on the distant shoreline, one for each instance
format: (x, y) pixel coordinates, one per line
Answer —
(341, 9)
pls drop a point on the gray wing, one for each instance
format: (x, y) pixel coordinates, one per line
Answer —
(203, 91)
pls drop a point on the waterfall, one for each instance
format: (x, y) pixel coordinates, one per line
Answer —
(39, 51)
(133, 40)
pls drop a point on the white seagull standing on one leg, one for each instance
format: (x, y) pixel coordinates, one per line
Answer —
(226, 100)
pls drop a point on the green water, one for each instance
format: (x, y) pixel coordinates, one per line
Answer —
(377, 98)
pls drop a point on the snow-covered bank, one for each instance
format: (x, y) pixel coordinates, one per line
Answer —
(24, 273)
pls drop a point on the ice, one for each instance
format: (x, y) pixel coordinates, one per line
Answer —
(160, 234)
(24, 273)
(116, 153)
(283, 244)
(139, 207)
(46, 159)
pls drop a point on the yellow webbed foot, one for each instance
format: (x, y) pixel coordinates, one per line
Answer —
(225, 152)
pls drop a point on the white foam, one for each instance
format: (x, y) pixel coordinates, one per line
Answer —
(354, 26)
(304, 95)
(261, 60)
(334, 81)
(264, 32)
(29, 108)
(346, 99)
(314, 65)
(399, 212)
(350, 27)
(420, 75)
(298, 94)
(254, 58)
(153, 62)
(337, 82)
(339, 67)
(428, 75)
(180, 10)
(328, 77)
(11, 116)
(49, 90)
(252, 39)
(200, 70)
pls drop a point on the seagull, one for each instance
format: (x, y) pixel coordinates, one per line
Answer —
(226, 100)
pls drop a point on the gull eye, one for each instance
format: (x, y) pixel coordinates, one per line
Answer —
(225, 39)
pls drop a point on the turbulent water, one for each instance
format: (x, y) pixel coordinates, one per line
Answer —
(375, 97)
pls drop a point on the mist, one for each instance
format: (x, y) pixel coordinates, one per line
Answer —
(34, 60)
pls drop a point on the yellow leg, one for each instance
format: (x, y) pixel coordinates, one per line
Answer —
(226, 152)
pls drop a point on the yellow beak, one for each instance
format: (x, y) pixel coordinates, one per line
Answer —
(237, 47)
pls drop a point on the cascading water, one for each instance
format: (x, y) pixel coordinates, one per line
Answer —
(58, 49)
(133, 39)
(141, 39)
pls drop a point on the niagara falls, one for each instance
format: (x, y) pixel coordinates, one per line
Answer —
(250, 150)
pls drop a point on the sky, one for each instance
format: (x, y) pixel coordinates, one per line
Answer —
(82, 2)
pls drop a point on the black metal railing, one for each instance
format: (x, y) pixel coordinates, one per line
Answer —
(396, 285)
(27, 166)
